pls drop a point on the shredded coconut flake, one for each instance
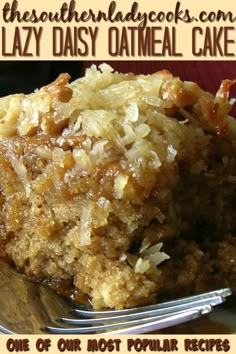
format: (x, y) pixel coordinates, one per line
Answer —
(142, 265)
(154, 254)
(119, 185)
(20, 170)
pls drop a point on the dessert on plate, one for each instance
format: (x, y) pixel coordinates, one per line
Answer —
(121, 187)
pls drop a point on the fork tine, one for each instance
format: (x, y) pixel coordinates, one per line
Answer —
(91, 313)
(153, 317)
(137, 326)
(216, 300)
(166, 322)
(4, 330)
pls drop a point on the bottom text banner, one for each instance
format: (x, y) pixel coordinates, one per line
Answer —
(120, 344)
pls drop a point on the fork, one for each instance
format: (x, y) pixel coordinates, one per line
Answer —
(140, 320)
(31, 308)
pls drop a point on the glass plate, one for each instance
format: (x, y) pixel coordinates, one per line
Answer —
(26, 307)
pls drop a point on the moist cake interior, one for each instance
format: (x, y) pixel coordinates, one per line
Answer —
(120, 187)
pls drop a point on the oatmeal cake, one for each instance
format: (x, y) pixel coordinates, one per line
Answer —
(120, 187)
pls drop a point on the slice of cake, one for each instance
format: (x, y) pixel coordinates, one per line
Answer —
(120, 187)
